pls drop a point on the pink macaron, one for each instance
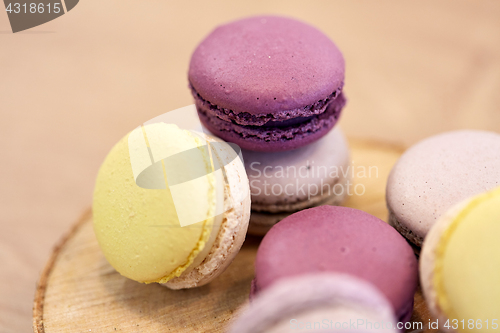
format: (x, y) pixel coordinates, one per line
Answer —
(340, 240)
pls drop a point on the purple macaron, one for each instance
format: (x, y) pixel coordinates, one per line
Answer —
(340, 240)
(268, 83)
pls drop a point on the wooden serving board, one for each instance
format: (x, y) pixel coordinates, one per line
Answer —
(79, 291)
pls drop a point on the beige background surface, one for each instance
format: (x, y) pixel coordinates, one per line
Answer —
(71, 88)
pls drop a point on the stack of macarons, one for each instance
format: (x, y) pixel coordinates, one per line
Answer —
(273, 86)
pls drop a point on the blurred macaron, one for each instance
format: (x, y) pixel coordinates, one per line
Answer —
(460, 266)
(323, 302)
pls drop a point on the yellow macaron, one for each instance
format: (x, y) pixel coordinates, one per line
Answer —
(460, 266)
(162, 212)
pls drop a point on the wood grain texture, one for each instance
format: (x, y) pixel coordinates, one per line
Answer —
(80, 292)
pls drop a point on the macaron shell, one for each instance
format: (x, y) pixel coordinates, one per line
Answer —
(275, 139)
(137, 228)
(318, 174)
(324, 296)
(233, 228)
(438, 173)
(343, 240)
(266, 64)
(297, 175)
(261, 222)
(460, 262)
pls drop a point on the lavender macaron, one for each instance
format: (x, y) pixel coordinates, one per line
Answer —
(339, 240)
(436, 174)
(268, 83)
(325, 302)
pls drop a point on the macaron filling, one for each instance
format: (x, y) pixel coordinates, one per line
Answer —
(200, 257)
(273, 130)
(270, 119)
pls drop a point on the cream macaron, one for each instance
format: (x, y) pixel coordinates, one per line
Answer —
(460, 266)
(437, 173)
(282, 183)
(171, 206)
